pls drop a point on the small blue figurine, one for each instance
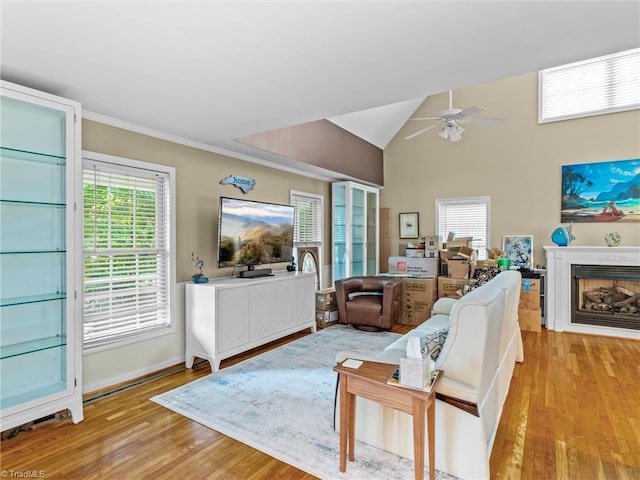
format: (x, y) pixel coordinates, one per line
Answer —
(562, 236)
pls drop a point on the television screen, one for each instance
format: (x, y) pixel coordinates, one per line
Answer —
(251, 233)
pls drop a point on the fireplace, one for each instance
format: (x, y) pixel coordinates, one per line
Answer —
(609, 274)
(606, 295)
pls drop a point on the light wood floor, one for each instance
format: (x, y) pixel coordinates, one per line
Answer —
(573, 412)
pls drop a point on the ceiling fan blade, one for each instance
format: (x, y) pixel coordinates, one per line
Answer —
(470, 111)
(409, 137)
(483, 121)
(425, 118)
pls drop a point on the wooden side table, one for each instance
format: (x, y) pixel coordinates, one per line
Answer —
(370, 381)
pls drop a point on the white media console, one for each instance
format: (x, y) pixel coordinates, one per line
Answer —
(229, 316)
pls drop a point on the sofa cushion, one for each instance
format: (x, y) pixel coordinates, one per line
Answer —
(432, 343)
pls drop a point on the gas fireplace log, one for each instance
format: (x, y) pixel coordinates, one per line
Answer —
(626, 292)
(628, 301)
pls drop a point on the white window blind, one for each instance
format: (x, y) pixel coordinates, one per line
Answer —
(308, 219)
(126, 251)
(592, 87)
(466, 217)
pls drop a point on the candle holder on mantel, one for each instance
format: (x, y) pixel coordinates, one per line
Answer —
(197, 263)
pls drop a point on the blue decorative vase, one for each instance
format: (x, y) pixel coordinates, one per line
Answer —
(199, 278)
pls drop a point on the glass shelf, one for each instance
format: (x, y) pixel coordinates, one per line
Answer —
(38, 345)
(7, 302)
(29, 252)
(28, 203)
(26, 155)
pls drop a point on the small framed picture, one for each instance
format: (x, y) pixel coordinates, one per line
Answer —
(409, 225)
(519, 250)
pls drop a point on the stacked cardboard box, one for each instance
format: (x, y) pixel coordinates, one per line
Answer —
(529, 312)
(326, 307)
(418, 297)
(452, 287)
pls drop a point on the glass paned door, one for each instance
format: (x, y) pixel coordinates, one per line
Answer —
(358, 240)
(33, 251)
(339, 231)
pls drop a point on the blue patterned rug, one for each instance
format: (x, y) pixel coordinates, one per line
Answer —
(281, 403)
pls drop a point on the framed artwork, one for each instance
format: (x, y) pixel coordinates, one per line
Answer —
(409, 225)
(519, 250)
(601, 192)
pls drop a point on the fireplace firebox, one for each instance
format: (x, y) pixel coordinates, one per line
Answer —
(606, 295)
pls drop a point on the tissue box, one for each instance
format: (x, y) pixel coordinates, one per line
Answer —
(415, 372)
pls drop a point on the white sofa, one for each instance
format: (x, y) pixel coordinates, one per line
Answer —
(478, 358)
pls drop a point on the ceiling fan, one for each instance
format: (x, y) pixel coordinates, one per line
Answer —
(451, 118)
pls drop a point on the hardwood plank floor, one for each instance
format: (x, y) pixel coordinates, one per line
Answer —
(573, 412)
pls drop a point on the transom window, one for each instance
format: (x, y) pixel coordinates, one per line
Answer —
(592, 87)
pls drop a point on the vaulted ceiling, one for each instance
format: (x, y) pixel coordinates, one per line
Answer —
(210, 72)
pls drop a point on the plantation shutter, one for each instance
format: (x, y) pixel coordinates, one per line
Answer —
(466, 217)
(308, 220)
(592, 87)
(125, 250)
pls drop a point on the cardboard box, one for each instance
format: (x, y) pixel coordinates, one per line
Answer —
(452, 287)
(432, 242)
(326, 299)
(530, 320)
(529, 301)
(431, 253)
(326, 318)
(531, 285)
(414, 252)
(418, 297)
(428, 266)
(458, 267)
(460, 242)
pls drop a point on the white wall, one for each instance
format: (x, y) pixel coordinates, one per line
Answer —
(518, 165)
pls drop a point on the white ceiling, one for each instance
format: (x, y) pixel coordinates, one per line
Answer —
(212, 71)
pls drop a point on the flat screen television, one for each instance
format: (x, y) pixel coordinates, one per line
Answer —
(252, 233)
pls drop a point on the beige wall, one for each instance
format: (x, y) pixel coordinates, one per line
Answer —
(518, 165)
(198, 174)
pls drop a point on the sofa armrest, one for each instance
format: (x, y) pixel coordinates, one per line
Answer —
(443, 306)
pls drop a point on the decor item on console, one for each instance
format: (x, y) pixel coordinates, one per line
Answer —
(612, 239)
(198, 277)
(601, 192)
(369, 303)
(477, 359)
(562, 235)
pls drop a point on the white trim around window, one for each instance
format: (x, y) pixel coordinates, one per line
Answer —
(129, 264)
(309, 230)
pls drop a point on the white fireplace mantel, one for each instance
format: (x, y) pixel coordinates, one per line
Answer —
(558, 294)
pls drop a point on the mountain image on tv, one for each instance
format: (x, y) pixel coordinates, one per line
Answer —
(252, 233)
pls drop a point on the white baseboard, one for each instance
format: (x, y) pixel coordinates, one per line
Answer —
(131, 375)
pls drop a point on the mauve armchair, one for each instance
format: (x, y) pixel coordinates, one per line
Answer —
(369, 303)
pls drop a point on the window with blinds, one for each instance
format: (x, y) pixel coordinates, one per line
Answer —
(307, 230)
(466, 217)
(126, 251)
(592, 87)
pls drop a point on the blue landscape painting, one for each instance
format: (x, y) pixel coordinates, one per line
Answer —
(601, 192)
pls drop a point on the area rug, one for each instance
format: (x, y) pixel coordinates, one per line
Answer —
(281, 403)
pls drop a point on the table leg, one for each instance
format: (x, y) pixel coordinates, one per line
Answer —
(344, 425)
(431, 430)
(352, 425)
(418, 438)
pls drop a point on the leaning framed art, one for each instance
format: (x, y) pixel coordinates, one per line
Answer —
(519, 250)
